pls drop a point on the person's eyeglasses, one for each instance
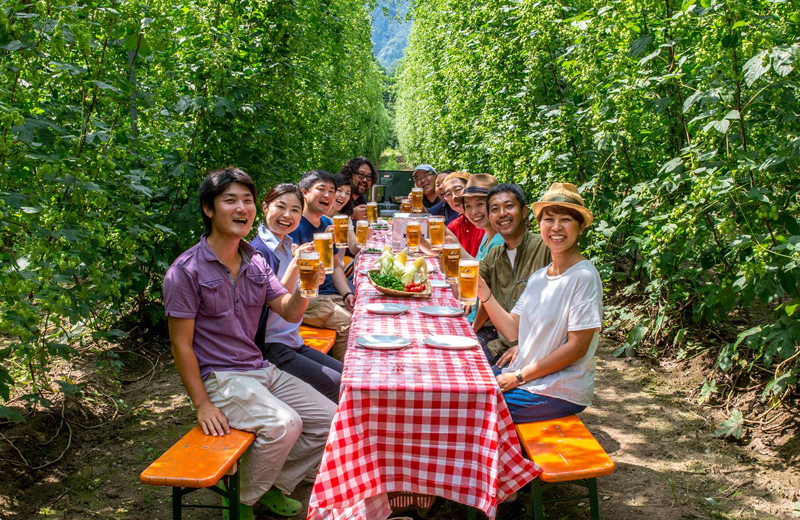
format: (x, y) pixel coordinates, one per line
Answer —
(455, 192)
(362, 176)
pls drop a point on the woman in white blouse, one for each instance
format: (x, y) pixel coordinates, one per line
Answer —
(557, 319)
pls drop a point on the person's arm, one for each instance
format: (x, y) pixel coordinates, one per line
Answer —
(480, 318)
(340, 282)
(575, 348)
(290, 306)
(352, 243)
(181, 336)
(505, 322)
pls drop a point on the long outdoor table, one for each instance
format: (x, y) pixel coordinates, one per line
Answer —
(419, 420)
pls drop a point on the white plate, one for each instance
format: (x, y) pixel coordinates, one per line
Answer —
(386, 308)
(440, 310)
(440, 284)
(382, 342)
(451, 342)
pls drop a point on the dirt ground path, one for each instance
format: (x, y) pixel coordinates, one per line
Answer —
(669, 466)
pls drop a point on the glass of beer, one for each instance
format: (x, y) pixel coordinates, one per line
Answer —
(468, 282)
(323, 243)
(340, 228)
(416, 200)
(405, 206)
(362, 232)
(413, 233)
(452, 255)
(372, 212)
(436, 232)
(309, 274)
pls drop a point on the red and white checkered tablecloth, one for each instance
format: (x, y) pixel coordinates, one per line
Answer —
(420, 420)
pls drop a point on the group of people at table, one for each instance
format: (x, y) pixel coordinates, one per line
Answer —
(234, 308)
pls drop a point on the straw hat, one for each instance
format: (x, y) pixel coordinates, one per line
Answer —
(478, 185)
(566, 195)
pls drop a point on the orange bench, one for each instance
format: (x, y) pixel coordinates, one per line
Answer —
(566, 451)
(318, 339)
(200, 461)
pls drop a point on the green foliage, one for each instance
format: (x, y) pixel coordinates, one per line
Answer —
(678, 120)
(733, 426)
(110, 114)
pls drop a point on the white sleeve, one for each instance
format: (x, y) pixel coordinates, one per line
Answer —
(586, 311)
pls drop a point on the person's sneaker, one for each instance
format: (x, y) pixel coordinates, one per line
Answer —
(280, 504)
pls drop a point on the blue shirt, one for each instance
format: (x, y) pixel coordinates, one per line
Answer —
(278, 256)
(305, 234)
(483, 250)
(443, 209)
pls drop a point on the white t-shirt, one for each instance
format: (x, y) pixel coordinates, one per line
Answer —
(512, 255)
(550, 307)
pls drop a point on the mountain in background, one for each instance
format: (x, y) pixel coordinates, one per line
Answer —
(390, 32)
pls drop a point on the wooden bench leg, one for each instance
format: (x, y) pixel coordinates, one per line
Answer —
(591, 484)
(536, 499)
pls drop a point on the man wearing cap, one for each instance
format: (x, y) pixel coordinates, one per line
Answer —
(506, 268)
(442, 208)
(465, 231)
(425, 177)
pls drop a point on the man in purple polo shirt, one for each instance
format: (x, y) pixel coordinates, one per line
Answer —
(213, 294)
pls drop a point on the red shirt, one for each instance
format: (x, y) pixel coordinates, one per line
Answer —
(466, 232)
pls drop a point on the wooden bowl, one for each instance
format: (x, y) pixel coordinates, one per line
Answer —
(391, 292)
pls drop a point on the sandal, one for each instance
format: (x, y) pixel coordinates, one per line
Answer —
(280, 504)
(245, 512)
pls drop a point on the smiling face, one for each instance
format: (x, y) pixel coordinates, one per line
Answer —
(342, 196)
(560, 231)
(233, 213)
(451, 189)
(440, 184)
(362, 180)
(475, 210)
(506, 215)
(319, 198)
(282, 215)
(427, 181)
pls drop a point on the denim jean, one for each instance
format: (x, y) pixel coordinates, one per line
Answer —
(528, 407)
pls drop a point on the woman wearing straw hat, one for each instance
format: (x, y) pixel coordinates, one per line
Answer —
(557, 319)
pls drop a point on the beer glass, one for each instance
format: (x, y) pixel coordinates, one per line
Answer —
(372, 212)
(451, 254)
(416, 200)
(468, 282)
(309, 274)
(340, 228)
(436, 232)
(413, 233)
(362, 233)
(323, 243)
(405, 206)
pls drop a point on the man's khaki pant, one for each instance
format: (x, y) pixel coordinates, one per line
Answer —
(329, 312)
(290, 419)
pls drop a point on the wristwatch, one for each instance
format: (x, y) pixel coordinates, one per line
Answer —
(520, 379)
